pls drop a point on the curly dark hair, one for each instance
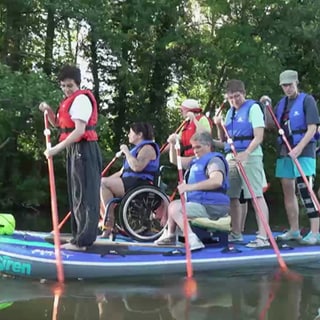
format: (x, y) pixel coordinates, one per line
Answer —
(70, 72)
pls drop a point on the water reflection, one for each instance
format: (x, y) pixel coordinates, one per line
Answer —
(220, 296)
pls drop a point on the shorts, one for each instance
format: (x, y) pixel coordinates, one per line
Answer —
(198, 210)
(253, 168)
(286, 168)
(134, 182)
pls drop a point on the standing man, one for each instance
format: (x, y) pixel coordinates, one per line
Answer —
(245, 125)
(298, 116)
(76, 118)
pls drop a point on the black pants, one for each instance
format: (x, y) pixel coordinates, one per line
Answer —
(84, 167)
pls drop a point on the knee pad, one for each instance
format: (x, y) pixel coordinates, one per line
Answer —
(312, 211)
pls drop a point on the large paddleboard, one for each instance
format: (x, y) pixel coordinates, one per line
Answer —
(32, 255)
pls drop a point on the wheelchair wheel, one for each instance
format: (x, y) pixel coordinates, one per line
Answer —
(138, 210)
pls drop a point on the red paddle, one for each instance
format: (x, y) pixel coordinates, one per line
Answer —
(282, 264)
(274, 245)
(54, 207)
(103, 173)
(190, 285)
(295, 160)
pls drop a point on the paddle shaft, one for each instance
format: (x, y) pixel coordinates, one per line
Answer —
(186, 120)
(103, 173)
(177, 131)
(256, 204)
(184, 213)
(295, 160)
(54, 207)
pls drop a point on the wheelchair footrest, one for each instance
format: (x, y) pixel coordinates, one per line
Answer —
(113, 200)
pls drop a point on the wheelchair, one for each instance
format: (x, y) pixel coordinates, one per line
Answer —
(137, 212)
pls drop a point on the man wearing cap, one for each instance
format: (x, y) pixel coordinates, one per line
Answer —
(297, 114)
(196, 122)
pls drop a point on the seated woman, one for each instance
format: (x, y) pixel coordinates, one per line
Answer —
(140, 167)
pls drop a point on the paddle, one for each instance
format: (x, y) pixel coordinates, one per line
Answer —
(104, 172)
(54, 207)
(110, 164)
(281, 262)
(177, 131)
(58, 290)
(190, 285)
(219, 110)
(295, 160)
(274, 288)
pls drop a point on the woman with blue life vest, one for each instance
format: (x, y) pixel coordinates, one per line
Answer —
(140, 167)
(76, 118)
(205, 188)
(245, 125)
(298, 116)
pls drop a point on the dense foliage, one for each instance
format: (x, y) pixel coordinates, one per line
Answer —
(142, 58)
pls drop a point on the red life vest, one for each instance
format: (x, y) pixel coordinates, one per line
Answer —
(188, 131)
(67, 125)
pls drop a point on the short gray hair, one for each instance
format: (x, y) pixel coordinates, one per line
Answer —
(203, 137)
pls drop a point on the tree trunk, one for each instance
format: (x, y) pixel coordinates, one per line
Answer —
(94, 66)
(11, 51)
(48, 46)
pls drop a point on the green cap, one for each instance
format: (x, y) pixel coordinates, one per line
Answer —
(288, 77)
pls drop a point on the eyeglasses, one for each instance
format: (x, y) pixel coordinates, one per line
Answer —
(234, 96)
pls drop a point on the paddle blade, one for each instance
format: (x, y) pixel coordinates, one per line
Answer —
(292, 275)
(57, 288)
(190, 288)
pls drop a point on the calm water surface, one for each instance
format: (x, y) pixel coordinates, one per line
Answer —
(251, 294)
(255, 294)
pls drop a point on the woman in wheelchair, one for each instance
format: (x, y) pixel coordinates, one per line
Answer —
(140, 167)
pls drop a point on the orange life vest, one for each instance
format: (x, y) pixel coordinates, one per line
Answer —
(66, 124)
(188, 131)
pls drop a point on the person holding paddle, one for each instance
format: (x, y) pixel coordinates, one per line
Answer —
(140, 167)
(245, 126)
(297, 115)
(194, 121)
(76, 118)
(205, 188)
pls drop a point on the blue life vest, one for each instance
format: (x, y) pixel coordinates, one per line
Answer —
(197, 173)
(238, 126)
(297, 121)
(152, 168)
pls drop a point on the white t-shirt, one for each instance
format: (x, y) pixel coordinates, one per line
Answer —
(81, 108)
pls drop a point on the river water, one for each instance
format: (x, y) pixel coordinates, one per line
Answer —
(263, 294)
(255, 294)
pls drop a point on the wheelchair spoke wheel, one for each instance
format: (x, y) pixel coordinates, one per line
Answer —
(139, 212)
